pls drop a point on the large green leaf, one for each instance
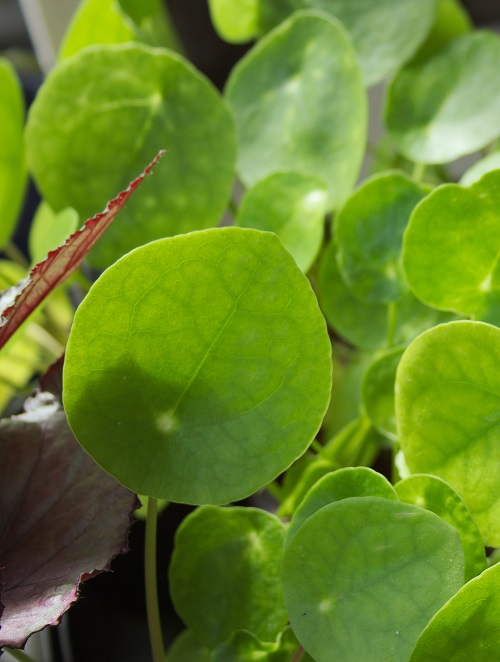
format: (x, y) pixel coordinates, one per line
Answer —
(435, 494)
(447, 407)
(450, 252)
(225, 573)
(466, 628)
(198, 367)
(369, 233)
(385, 33)
(451, 21)
(291, 205)
(236, 21)
(105, 112)
(341, 484)
(448, 106)
(299, 105)
(12, 165)
(363, 576)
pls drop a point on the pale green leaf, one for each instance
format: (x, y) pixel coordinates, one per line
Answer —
(236, 21)
(363, 576)
(299, 105)
(480, 168)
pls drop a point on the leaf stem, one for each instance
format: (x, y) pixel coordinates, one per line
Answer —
(233, 208)
(18, 654)
(418, 172)
(152, 608)
(298, 654)
(317, 447)
(14, 254)
(391, 323)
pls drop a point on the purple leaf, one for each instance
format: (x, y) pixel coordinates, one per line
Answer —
(17, 303)
(62, 519)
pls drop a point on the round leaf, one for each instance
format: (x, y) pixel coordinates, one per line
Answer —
(236, 21)
(225, 573)
(143, 100)
(12, 165)
(447, 407)
(369, 232)
(450, 249)
(363, 576)
(299, 105)
(466, 628)
(378, 392)
(341, 484)
(435, 494)
(385, 33)
(291, 205)
(448, 106)
(198, 367)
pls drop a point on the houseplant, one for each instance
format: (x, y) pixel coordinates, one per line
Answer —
(199, 366)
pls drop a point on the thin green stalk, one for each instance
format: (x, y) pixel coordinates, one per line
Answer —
(152, 608)
(317, 447)
(418, 172)
(14, 254)
(298, 654)
(233, 208)
(274, 490)
(20, 655)
(391, 323)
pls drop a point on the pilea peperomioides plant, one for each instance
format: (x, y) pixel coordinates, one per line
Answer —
(330, 327)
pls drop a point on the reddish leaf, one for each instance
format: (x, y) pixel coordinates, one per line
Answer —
(62, 519)
(17, 303)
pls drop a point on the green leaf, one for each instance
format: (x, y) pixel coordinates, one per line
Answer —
(291, 205)
(433, 493)
(378, 392)
(12, 166)
(480, 168)
(466, 628)
(385, 33)
(187, 648)
(236, 21)
(49, 230)
(198, 367)
(450, 252)
(117, 22)
(369, 233)
(299, 105)
(341, 484)
(367, 325)
(243, 646)
(447, 394)
(225, 573)
(452, 20)
(363, 576)
(444, 108)
(142, 100)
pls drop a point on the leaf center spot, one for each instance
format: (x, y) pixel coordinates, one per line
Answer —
(167, 422)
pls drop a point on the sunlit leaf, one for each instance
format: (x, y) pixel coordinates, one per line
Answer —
(236, 21)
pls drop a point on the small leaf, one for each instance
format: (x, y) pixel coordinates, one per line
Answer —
(450, 252)
(225, 573)
(63, 519)
(378, 392)
(300, 105)
(385, 33)
(363, 576)
(143, 100)
(236, 21)
(466, 628)
(341, 484)
(443, 109)
(13, 175)
(209, 352)
(369, 234)
(17, 303)
(291, 205)
(447, 407)
(435, 494)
